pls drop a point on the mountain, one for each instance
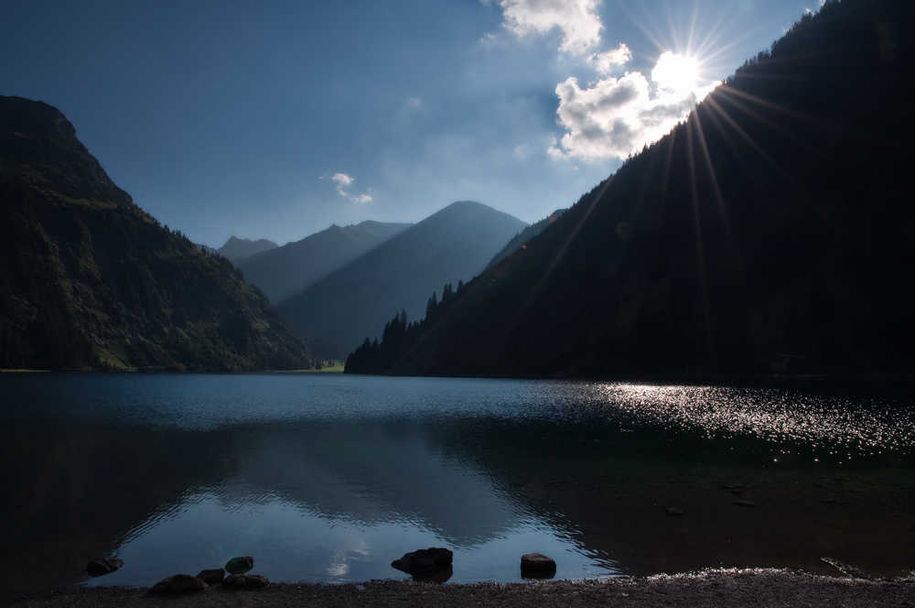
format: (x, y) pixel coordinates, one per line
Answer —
(525, 236)
(287, 270)
(90, 280)
(772, 231)
(338, 312)
(236, 249)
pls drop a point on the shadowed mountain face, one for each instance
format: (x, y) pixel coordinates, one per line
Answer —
(340, 311)
(236, 249)
(522, 238)
(287, 270)
(89, 280)
(772, 230)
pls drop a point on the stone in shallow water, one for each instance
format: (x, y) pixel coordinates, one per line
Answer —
(423, 562)
(103, 565)
(212, 577)
(537, 565)
(674, 511)
(179, 584)
(745, 503)
(239, 565)
(245, 581)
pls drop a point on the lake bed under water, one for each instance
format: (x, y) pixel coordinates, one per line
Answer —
(327, 478)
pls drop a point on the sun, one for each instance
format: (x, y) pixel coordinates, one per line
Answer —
(677, 74)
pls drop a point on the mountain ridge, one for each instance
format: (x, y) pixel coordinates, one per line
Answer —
(89, 280)
(765, 234)
(286, 270)
(236, 248)
(453, 244)
(525, 236)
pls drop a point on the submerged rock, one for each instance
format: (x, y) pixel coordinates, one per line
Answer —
(239, 565)
(425, 562)
(245, 581)
(745, 503)
(179, 584)
(674, 511)
(212, 577)
(103, 565)
(537, 565)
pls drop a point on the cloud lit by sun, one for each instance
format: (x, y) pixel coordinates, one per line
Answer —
(624, 108)
(615, 116)
(676, 74)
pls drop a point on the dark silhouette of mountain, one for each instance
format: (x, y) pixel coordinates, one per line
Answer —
(287, 270)
(525, 236)
(772, 231)
(236, 249)
(454, 244)
(90, 280)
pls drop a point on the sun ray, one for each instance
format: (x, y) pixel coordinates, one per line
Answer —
(720, 201)
(719, 113)
(739, 102)
(700, 242)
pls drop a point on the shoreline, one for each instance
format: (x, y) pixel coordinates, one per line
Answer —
(879, 382)
(721, 588)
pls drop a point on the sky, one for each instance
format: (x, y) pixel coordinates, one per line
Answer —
(274, 119)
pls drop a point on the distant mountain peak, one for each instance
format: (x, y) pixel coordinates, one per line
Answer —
(451, 245)
(283, 271)
(237, 248)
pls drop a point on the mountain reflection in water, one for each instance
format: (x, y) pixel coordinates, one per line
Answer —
(329, 478)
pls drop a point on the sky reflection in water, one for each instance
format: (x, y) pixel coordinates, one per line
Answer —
(329, 478)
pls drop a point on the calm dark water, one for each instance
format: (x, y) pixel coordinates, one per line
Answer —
(328, 478)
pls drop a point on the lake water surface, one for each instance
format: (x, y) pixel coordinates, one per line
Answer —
(327, 478)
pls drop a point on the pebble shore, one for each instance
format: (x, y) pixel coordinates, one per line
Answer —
(719, 588)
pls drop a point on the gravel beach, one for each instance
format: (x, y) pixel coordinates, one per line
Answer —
(719, 588)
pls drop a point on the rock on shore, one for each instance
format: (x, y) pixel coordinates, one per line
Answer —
(179, 584)
(424, 561)
(719, 588)
(537, 565)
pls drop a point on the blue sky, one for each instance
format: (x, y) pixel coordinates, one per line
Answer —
(277, 118)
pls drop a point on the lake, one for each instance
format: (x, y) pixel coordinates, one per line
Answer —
(327, 478)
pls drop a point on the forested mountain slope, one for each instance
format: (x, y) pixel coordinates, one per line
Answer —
(89, 280)
(773, 230)
(454, 244)
(522, 238)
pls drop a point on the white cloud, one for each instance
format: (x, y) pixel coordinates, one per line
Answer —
(616, 117)
(609, 61)
(343, 182)
(363, 198)
(577, 20)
